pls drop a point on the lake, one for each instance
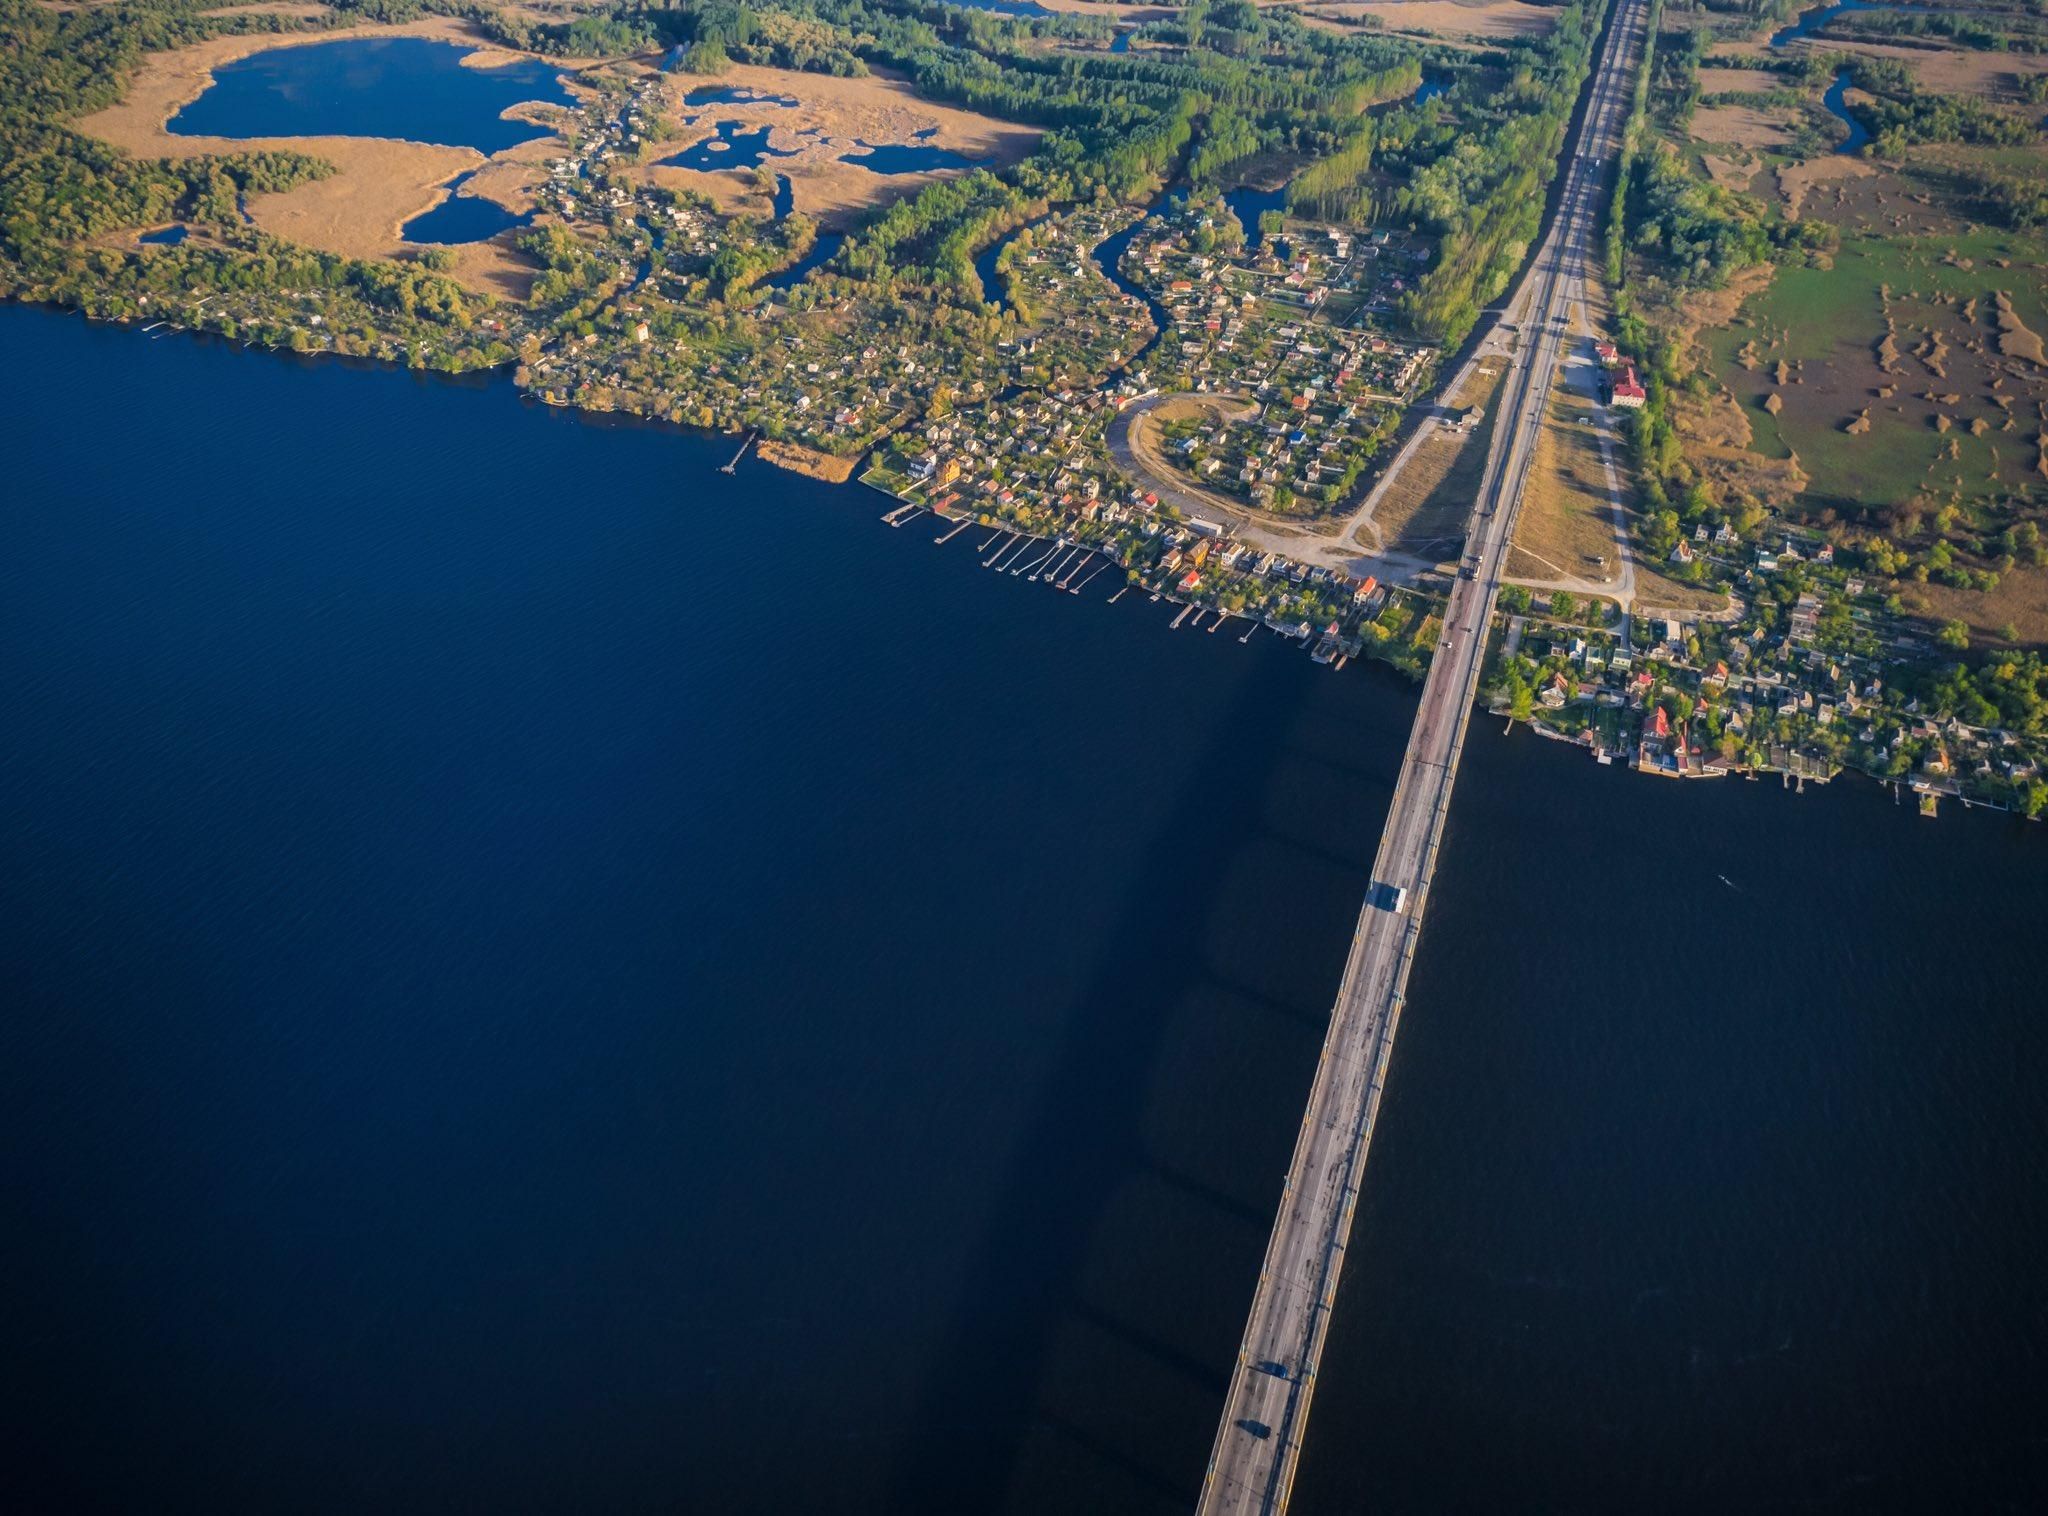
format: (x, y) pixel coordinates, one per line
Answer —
(905, 157)
(402, 87)
(543, 976)
(462, 217)
(732, 145)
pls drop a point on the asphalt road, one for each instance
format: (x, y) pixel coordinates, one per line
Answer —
(1259, 1439)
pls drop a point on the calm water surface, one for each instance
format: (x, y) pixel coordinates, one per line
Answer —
(404, 87)
(731, 145)
(544, 977)
(462, 217)
(1711, 1176)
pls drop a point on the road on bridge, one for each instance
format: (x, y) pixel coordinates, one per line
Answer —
(1259, 1439)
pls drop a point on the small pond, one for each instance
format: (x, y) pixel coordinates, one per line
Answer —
(462, 218)
(906, 158)
(734, 94)
(732, 146)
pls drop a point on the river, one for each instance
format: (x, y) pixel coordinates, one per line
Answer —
(545, 976)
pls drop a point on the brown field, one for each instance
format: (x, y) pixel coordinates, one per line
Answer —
(1426, 507)
(831, 116)
(1799, 180)
(1566, 524)
(2021, 600)
(1482, 19)
(305, 9)
(1735, 81)
(809, 462)
(1737, 172)
(1960, 71)
(380, 183)
(1759, 128)
(1108, 8)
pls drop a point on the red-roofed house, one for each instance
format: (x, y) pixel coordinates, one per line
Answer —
(1629, 394)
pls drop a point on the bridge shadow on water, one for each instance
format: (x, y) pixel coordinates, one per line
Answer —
(1113, 1282)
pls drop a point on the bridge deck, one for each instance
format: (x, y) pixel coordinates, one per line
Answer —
(1259, 1439)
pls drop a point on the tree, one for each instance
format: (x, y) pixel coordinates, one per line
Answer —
(1564, 605)
(1953, 635)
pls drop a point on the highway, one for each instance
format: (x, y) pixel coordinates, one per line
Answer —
(1259, 1436)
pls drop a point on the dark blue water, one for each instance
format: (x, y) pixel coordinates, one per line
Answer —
(823, 249)
(1250, 204)
(785, 196)
(541, 976)
(1432, 85)
(530, 995)
(990, 276)
(405, 87)
(733, 94)
(743, 149)
(165, 236)
(1120, 43)
(462, 218)
(1700, 1196)
(1836, 102)
(1812, 21)
(1109, 257)
(906, 158)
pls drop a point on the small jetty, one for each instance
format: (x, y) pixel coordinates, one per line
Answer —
(733, 467)
(906, 512)
(1180, 618)
(945, 537)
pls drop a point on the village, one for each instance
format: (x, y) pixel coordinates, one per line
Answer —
(1794, 685)
(1282, 323)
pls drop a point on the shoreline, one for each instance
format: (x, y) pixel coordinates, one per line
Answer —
(821, 468)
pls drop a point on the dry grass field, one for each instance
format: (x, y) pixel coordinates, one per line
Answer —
(1467, 20)
(831, 118)
(380, 183)
(1754, 127)
(1426, 506)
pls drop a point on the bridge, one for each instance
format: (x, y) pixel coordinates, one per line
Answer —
(1259, 1440)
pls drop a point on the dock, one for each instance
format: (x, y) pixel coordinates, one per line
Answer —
(733, 467)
